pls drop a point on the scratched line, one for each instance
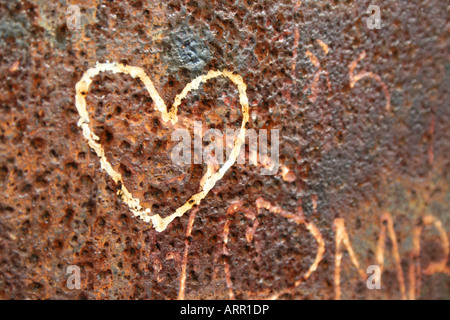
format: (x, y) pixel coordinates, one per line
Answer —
(387, 223)
(365, 74)
(434, 267)
(314, 85)
(185, 254)
(297, 218)
(387, 229)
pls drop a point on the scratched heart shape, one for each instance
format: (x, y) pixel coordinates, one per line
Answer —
(208, 180)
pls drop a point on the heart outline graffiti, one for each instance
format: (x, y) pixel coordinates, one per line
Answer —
(210, 178)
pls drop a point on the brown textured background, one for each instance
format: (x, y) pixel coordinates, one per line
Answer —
(349, 155)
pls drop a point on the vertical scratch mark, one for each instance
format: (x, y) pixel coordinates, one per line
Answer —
(235, 206)
(434, 266)
(341, 237)
(431, 146)
(185, 255)
(387, 223)
(294, 52)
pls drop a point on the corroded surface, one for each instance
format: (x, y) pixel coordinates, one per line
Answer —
(364, 136)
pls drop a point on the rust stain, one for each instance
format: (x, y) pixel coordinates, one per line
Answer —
(381, 181)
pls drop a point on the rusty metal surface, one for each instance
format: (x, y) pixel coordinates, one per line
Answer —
(350, 151)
